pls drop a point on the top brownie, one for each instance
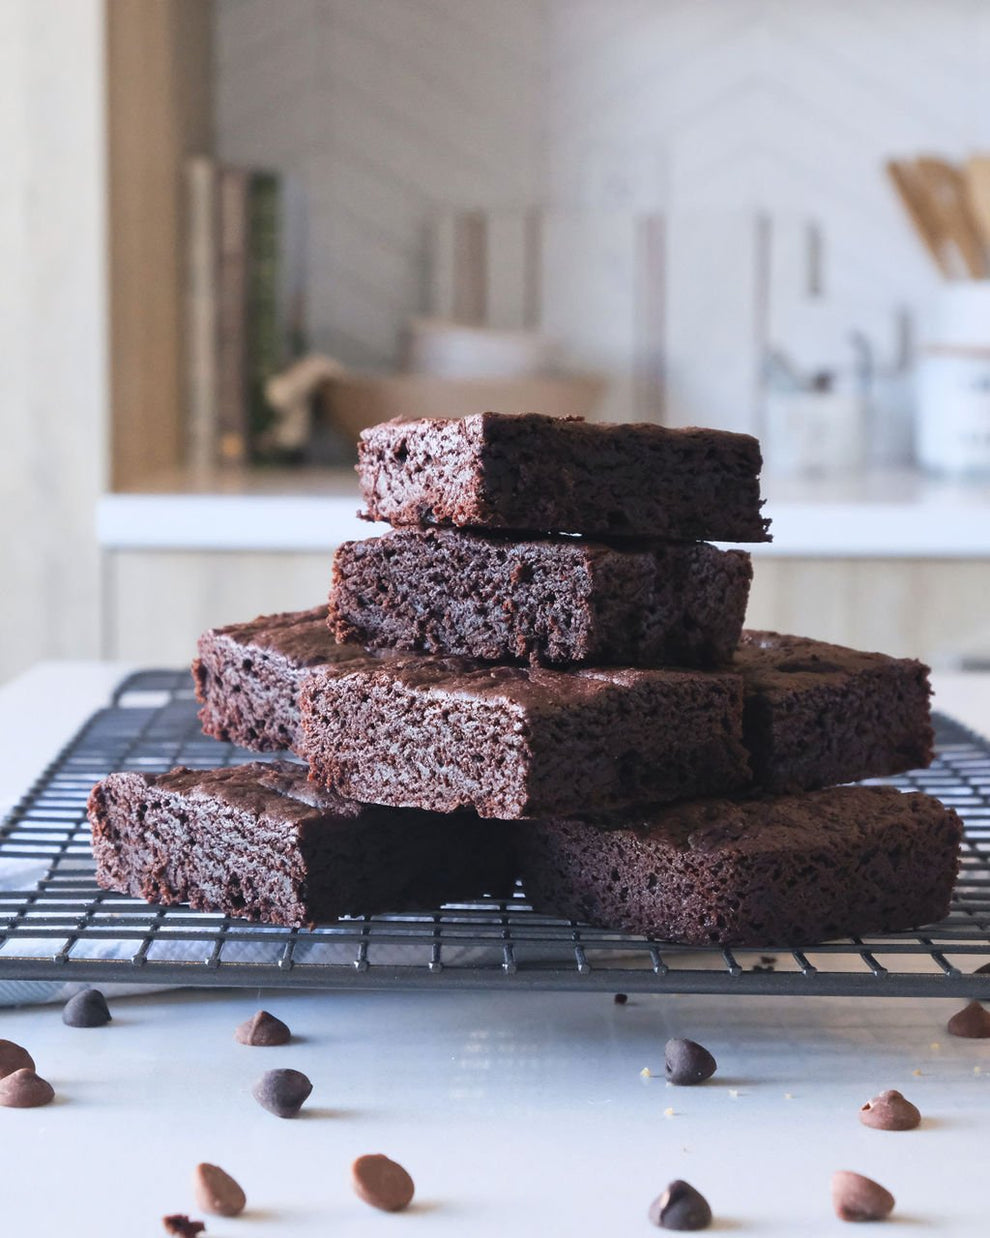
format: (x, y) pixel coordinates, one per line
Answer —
(532, 473)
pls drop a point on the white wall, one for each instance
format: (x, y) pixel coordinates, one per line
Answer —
(385, 110)
(706, 110)
(53, 386)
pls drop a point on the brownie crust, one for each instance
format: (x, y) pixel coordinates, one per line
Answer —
(261, 842)
(513, 741)
(248, 675)
(818, 714)
(787, 871)
(532, 473)
(551, 600)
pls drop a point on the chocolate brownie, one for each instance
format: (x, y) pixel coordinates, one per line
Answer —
(520, 741)
(564, 475)
(818, 714)
(553, 600)
(782, 871)
(248, 676)
(262, 842)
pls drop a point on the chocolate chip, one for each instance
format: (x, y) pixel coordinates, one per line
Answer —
(620, 999)
(86, 1009)
(13, 1057)
(382, 1183)
(685, 1062)
(23, 1089)
(282, 1092)
(890, 1112)
(263, 1029)
(181, 1225)
(856, 1198)
(217, 1192)
(972, 1022)
(680, 1207)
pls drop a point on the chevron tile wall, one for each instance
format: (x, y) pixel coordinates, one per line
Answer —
(741, 122)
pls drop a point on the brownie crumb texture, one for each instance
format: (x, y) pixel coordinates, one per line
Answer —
(790, 870)
(533, 473)
(554, 600)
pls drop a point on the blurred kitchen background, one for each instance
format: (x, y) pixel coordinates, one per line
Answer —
(235, 231)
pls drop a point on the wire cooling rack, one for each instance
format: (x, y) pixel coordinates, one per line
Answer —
(61, 925)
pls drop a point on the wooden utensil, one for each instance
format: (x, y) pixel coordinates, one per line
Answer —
(914, 198)
(977, 178)
(947, 192)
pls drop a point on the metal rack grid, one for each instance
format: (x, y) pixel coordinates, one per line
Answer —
(60, 925)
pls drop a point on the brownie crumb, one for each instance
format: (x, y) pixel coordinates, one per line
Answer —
(181, 1225)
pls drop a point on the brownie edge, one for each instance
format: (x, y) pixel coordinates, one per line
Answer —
(260, 841)
(248, 675)
(816, 714)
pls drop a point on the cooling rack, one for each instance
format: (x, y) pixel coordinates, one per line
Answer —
(60, 925)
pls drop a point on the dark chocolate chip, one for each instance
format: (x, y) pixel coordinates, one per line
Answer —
(620, 999)
(382, 1183)
(890, 1111)
(86, 1009)
(181, 1225)
(680, 1207)
(23, 1089)
(217, 1192)
(13, 1057)
(282, 1092)
(263, 1029)
(972, 1022)
(685, 1062)
(856, 1198)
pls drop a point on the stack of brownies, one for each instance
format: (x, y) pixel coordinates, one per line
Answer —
(541, 673)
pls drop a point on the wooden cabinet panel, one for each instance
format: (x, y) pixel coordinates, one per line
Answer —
(159, 62)
(938, 610)
(157, 604)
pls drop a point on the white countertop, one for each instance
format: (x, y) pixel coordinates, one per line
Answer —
(515, 1113)
(887, 515)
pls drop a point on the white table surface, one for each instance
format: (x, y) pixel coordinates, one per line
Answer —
(516, 1114)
